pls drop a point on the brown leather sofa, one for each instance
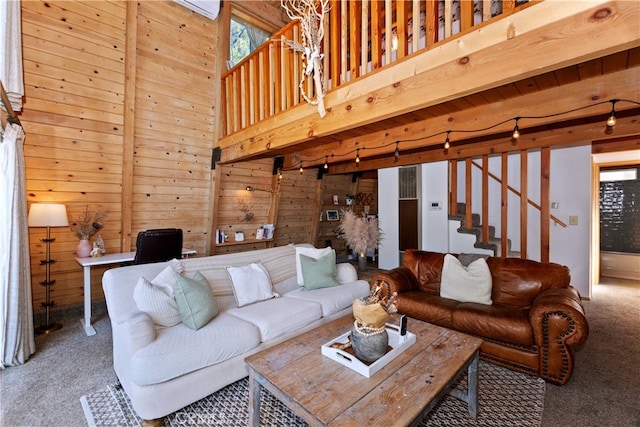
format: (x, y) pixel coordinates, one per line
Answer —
(534, 325)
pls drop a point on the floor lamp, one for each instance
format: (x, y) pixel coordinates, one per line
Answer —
(48, 215)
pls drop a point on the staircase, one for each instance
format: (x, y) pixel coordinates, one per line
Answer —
(493, 244)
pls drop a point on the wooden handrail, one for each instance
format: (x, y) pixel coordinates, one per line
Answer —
(517, 193)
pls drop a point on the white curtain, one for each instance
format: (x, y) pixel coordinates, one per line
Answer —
(11, 52)
(16, 312)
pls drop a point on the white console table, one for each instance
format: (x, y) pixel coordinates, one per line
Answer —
(89, 262)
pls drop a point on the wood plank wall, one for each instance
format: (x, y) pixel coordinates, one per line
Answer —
(73, 118)
(147, 168)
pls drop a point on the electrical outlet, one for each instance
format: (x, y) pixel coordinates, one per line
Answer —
(573, 220)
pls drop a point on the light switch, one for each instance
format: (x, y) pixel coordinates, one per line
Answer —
(573, 220)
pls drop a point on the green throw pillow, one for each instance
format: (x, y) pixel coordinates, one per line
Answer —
(196, 303)
(319, 273)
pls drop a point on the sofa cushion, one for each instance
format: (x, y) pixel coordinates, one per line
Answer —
(502, 323)
(319, 272)
(335, 298)
(310, 252)
(179, 350)
(466, 284)
(277, 316)
(251, 283)
(427, 307)
(195, 300)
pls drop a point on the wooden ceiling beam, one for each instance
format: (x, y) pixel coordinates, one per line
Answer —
(619, 85)
(627, 128)
(545, 37)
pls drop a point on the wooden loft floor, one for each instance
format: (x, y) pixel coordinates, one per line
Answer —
(550, 57)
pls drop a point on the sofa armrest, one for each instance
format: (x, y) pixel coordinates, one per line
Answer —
(559, 328)
(400, 279)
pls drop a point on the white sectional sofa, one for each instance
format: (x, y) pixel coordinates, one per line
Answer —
(163, 369)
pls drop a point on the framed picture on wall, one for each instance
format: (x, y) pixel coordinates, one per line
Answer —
(332, 215)
(334, 199)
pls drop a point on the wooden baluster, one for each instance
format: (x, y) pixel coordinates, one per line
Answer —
(401, 29)
(504, 196)
(485, 198)
(431, 21)
(376, 36)
(468, 192)
(364, 37)
(466, 15)
(524, 205)
(453, 184)
(545, 175)
(354, 40)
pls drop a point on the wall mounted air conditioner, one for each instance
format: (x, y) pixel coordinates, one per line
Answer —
(208, 8)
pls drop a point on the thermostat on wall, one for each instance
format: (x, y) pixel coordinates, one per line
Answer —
(435, 206)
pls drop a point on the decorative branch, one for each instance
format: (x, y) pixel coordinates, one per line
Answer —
(310, 14)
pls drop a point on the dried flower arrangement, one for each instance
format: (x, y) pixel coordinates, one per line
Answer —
(87, 225)
(361, 233)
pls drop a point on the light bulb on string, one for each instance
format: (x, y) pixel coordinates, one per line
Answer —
(326, 162)
(396, 154)
(611, 121)
(301, 170)
(447, 143)
(279, 174)
(358, 156)
(516, 129)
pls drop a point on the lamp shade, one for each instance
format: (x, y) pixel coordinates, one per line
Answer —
(48, 215)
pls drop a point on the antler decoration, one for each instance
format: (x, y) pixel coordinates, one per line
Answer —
(311, 14)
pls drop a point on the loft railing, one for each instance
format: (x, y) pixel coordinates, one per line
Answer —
(505, 188)
(355, 45)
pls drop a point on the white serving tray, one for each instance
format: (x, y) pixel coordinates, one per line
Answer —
(397, 343)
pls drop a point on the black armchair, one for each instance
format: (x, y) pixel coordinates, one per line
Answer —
(158, 245)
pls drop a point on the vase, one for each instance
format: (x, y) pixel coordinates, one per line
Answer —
(362, 261)
(84, 248)
(369, 344)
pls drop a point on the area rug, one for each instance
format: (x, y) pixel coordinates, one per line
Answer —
(506, 398)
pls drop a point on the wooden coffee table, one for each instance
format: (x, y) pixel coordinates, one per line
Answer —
(325, 393)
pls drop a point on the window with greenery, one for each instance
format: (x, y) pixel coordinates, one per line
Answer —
(244, 39)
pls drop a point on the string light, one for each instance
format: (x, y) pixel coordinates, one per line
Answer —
(611, 121)
(279, 174)
(301, 170)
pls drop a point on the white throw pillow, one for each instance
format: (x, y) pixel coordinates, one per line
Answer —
(311, 253)
(157, 302)
(466, 284)
(155, 297)
(251, 283)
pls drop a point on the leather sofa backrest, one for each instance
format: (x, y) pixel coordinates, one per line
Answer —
(516, 282)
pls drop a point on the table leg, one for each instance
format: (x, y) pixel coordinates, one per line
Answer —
(472, 384)
(254, 399)
(86, 322)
